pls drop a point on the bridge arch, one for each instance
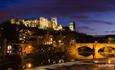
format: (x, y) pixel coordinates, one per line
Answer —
(95, 48)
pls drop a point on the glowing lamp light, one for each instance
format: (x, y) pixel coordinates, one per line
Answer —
(109, 61)
(29, 65)
(29, 47)
(9, 47)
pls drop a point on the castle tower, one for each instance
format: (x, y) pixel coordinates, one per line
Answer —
(72, 25)
(54, 22)
(43, 22)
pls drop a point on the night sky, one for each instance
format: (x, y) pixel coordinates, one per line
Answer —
(94, 17)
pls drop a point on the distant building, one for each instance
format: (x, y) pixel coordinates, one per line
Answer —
(54, 23)
(43, 23)
(59, 27)
(72, 26)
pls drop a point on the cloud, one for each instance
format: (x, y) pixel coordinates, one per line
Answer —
(3, 16)
(60, 7)
(82, 17)
(72, 6)
(104, 22)
(85, 28)
(109, 31)
(21, 8)
(88, 21)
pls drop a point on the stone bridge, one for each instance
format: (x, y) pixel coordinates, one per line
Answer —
(92, 50)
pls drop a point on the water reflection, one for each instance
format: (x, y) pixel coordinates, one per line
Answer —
(44, 56)
(15, 65)
(26, 63)
(10, 66)
(29, 65)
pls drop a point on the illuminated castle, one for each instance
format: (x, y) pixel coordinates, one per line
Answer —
(42, 23)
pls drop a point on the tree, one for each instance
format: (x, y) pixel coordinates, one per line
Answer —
(10, 32)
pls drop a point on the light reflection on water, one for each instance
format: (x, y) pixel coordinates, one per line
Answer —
(10, 67)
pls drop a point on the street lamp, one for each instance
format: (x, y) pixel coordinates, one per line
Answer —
(28, 49)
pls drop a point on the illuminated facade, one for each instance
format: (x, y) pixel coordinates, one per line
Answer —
(54, 23)
(42, 23)
(72, 26)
